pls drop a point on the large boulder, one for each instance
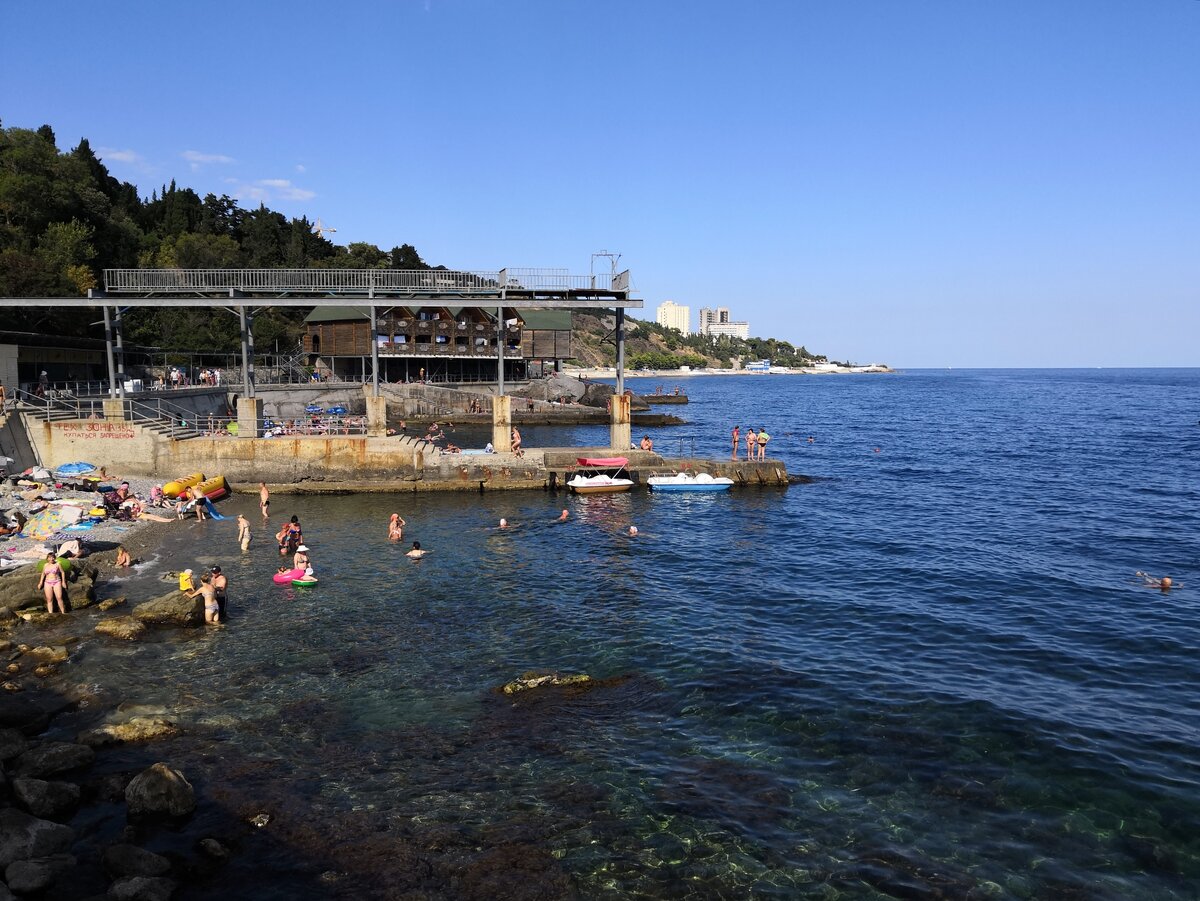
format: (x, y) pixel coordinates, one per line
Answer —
(52, 757)
(23, 837)
(138, 728)
(48, 800)
(19, 588)
(598, 394)
(125, 628)
(142, 888)
(12, 744)
(22, 714)
(160, 789)
(130, 860)
(173, 609)
(28, 877)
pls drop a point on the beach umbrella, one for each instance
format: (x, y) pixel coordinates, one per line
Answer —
(313, 408)
(75, 469)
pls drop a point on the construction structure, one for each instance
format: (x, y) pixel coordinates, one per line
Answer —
(383, 298)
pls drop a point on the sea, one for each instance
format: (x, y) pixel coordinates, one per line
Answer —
(931, 672)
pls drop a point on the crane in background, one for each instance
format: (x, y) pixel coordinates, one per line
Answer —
(321, 228)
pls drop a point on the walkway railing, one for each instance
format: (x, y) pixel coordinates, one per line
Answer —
(382, 281)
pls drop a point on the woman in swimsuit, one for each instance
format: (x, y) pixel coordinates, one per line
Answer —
(243, 532)
(300, 560)
(396, 528)
(211, 608)
(51, 581)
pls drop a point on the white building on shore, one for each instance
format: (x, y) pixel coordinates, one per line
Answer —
(673, 315)
(717, 322)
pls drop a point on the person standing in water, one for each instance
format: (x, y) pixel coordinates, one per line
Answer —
(243, 532)
(264, 500)
(416, 553)
(211, 608)
(52, 582)
(220, 586)
(300, 558)
(396, 528)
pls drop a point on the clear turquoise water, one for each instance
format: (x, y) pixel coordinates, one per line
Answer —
(928, 674)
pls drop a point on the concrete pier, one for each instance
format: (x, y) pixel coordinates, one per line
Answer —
(502, 424)
(620, 428)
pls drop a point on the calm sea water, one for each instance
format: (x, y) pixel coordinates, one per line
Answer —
(928, 674)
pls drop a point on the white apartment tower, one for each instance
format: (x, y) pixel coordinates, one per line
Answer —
(717, 322)
(673, 315)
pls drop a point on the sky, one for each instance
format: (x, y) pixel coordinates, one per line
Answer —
(925, 183)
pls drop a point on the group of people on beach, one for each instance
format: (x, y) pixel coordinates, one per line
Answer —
(756, 443)
(213, 587)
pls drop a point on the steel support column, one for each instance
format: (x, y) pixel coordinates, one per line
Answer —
(108, 351)
(374, 354)
(501, 334)
(620, 350)
(250, 351)
(247, 391)
(118, 326)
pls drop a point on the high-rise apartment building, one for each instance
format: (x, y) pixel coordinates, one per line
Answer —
(717, 322)
(673, 315)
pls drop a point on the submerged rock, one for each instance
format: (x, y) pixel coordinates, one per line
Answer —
(139, 728)
(125, 628)
(53, 757)
(111, 602)
(23, 837)
(130, 860)
(160, 789)
(174, 609)
(32, 876)
(534, 679)
(19, 713)
(12, 744)
(47, 800)
(142, 888)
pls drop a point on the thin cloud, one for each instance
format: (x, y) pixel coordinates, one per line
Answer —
(119, 156)
(267, 189)
(300, 168)
(196, 159)
(285, 190)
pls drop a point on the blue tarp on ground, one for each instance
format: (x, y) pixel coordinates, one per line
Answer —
(74, 469)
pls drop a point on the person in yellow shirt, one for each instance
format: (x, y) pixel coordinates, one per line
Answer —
(186, 582)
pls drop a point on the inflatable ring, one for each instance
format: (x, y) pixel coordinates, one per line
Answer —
(287, 576)
(304, 583)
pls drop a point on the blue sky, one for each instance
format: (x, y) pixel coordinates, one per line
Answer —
(937, 183)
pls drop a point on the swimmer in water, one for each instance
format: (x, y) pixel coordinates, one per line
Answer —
(633, 530)
(566, 514)
(416, 553)
(396, 528)
(503, 523)
(1164, 584)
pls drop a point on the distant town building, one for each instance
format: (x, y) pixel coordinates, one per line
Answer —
(717, 322)
(673, 315)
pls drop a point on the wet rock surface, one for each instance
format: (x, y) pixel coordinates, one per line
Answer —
(52, 757)
(49, 800)
(173, 609)
(139, 728)
(125, 628)
(160, 790)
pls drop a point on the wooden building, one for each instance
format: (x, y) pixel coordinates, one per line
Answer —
(436, 343)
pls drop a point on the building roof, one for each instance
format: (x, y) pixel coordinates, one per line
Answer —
(337, 314)
(547, 319)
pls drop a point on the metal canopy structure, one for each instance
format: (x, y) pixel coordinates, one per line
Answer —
(241, 291)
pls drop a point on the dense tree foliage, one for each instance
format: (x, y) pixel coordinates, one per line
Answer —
(64, 219)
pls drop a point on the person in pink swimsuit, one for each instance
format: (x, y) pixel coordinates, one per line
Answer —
(52, 582)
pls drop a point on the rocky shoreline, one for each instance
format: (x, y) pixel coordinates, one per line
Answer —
(104, 796)
(48, 784)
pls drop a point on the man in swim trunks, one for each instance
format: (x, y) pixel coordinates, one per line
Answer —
(736, 434)
(211, 607)
(264, 500)
(220, 586)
